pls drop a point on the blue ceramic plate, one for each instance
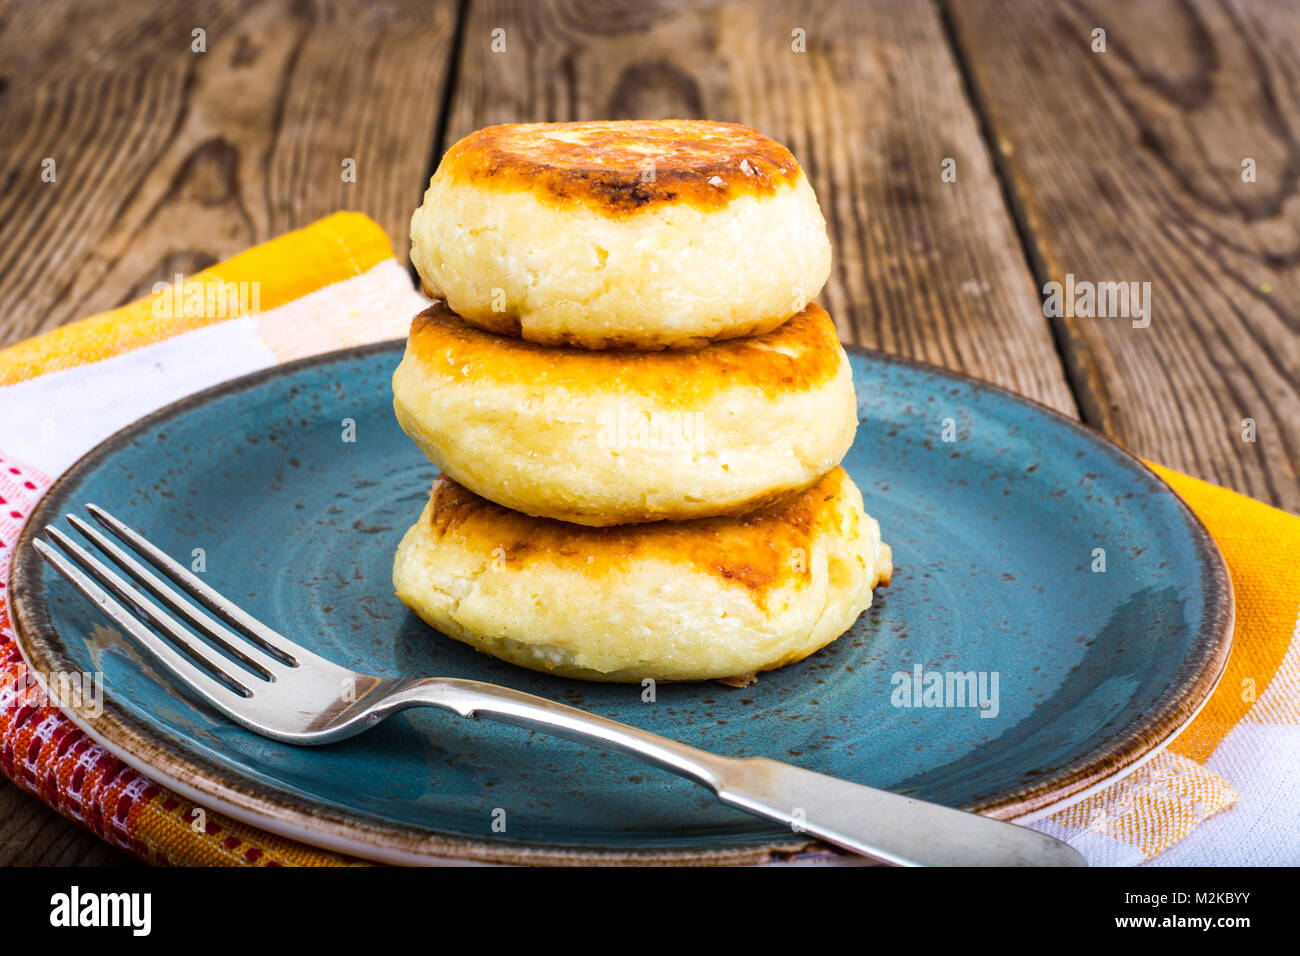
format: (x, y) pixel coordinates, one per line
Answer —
(996, 536)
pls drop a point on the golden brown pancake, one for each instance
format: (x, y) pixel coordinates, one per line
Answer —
(636, 234)
(712, 598)
(615, 437)
(751, 551)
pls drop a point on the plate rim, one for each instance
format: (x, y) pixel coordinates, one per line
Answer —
(285, 814)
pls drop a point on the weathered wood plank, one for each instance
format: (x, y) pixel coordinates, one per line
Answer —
(1127, 165)
(168, 160)
(925, 268)
(31, 834)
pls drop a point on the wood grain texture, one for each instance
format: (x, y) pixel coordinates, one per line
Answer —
(31, 834)
(924, 268)
(169, 160)
(1127, 166)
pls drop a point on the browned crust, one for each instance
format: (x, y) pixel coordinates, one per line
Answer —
(624, 166)
(802, 354)
(759, 551)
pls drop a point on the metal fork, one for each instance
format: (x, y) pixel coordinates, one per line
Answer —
(281, 690)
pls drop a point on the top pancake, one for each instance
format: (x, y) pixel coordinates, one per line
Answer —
(622, 234)
(620, 168)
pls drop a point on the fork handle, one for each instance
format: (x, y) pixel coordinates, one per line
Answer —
(876, 823)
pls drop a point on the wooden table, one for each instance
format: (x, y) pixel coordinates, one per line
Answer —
(1124, 165)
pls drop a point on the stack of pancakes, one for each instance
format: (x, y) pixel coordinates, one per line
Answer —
(637, 411)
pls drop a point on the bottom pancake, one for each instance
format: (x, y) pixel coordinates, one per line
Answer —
(712, 598)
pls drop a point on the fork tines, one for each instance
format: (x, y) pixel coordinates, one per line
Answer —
(253, 653)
